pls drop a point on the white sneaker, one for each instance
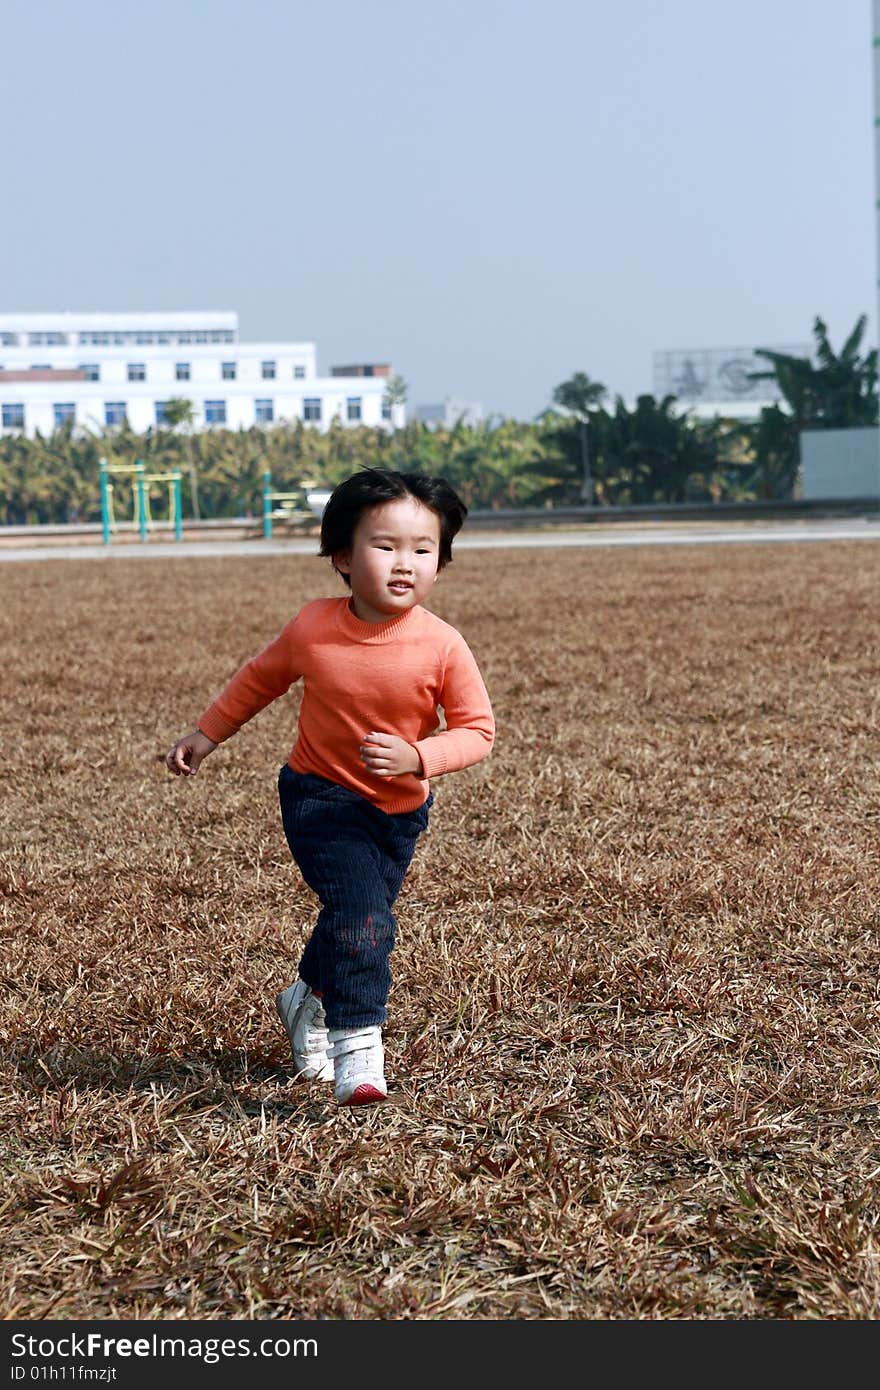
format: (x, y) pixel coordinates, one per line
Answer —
(302, 1014)
(359, 1065)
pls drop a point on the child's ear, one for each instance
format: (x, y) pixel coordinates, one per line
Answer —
(342, 562)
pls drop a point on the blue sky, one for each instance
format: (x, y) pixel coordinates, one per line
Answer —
(489, 194)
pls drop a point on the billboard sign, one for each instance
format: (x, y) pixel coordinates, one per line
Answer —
(718, 374)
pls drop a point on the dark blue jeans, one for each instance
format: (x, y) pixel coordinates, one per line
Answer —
(355, 857)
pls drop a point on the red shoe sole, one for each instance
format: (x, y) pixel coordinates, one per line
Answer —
(364, 1094)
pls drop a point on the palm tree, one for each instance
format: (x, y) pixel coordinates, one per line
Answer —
(181, 412)
(837, 391)
(580, 395)
(651, 453)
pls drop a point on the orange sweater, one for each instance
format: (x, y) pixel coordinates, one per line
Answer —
(361, 677)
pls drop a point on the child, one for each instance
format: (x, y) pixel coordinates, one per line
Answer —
(355, 790)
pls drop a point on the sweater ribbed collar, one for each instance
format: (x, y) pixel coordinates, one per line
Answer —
(359, 631)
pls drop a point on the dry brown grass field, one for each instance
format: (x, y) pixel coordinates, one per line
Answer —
(634, 1033)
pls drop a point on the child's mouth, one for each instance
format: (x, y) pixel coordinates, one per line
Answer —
(400, 587)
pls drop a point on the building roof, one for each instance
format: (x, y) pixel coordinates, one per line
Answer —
(43, 374)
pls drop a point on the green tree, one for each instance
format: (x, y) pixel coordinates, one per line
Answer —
(775, 450)
(396, 390)
(651, 453)
(836, 391)
(655, 453)
(580, 396)
(180, 414)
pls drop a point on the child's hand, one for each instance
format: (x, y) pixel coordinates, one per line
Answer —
(188, 752)
(389, 756)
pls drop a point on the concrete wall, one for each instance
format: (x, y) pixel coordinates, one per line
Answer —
(840, 463)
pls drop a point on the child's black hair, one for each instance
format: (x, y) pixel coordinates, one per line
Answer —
(374, 486)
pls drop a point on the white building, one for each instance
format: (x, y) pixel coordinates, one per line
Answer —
(97, 370)
(451, 412)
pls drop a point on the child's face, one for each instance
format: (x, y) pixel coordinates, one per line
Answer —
(393, 559)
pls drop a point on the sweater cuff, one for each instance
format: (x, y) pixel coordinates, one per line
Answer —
(216, 728)
(433, 756)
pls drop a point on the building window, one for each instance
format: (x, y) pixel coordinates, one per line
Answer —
(215, 412)
(137, 371)
(312, 408)
(9, 339)
(264, 412)
(47, 339)
(386, 408)
(13, 417)
(181, 371)
(161, 412)
(92, 371)
(114, 413)
(64, 414)
(268, 369)
(299, 372)
(353, 407)
(227, 371)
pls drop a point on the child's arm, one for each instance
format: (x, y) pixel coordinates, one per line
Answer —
(467, 738)
(470, 724)
(262, 679)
